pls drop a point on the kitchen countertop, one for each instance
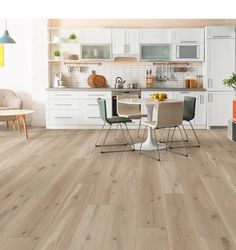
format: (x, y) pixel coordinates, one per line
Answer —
(113, 89)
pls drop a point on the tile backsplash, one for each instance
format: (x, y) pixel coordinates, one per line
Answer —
(131, 73)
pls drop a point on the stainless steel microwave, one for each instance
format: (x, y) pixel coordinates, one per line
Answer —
(188, 52)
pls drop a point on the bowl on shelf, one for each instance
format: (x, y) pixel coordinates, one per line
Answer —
(73, 57)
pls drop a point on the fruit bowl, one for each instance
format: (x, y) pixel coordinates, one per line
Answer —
(158, 96)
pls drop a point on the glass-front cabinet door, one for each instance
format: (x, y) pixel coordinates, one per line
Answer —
(155, 52)
(95, 51)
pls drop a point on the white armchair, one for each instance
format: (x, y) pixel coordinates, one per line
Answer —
(9, 100)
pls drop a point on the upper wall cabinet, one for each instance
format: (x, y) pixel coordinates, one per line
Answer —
(188, 35)
(95, 36)
(221, 32)
(155, 36)
(125, 42)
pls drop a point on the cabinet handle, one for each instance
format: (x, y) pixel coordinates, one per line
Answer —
(201, 99)
(93, 117)
(62, 117)
(218, 36)
(188, 41)
(95, 95)
(124, 48)
(92, 104)
(60, 104)
(63, 95)
(210, 97)
(210, 83)
(128, 48)
(184, 92)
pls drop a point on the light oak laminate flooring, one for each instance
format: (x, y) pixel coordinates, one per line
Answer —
(58, 192)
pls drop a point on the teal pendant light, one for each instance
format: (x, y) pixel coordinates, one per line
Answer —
(6, 37)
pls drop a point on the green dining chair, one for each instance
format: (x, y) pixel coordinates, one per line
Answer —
(111, 121)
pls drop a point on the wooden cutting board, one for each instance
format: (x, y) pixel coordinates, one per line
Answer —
(96, 81)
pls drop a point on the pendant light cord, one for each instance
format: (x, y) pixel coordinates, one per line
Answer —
(5, 24)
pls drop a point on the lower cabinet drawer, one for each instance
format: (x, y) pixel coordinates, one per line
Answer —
(63, 104)
(63, 117)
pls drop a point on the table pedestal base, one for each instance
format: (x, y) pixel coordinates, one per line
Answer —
(150, 143)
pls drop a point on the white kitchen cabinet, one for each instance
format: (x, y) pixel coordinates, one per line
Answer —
(201, 106)
(75, 109)
(220, 62)
(154, 36)
(221, 32)
(219, 108)
(95, 36)
(91, 114)
(201, 109)
(188, 35)
(125, 42)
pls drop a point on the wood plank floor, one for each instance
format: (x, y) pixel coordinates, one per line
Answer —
(58, 192)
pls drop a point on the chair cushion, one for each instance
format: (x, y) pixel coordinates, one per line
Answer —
(118, 119)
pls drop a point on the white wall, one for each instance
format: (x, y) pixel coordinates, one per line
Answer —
(25, 69)
(17, 74)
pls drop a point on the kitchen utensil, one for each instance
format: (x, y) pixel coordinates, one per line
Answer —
(119, 83)
(96, 81)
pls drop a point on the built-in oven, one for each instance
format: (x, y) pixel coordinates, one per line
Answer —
(115, 93)
(188, 52)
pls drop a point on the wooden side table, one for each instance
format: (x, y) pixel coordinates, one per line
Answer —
(20, 114)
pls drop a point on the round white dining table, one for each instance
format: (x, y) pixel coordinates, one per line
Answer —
(150, 143)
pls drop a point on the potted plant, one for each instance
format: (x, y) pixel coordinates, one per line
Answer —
(72, 37)
(57, 55)
(231, 82)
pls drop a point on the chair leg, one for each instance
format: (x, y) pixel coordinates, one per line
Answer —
(14, 125)
(162, 134)
(167, 141)
(173, 134)
(132, 143)
(105, 139)
(159, 157)
(185, 133)
(96, 145)
(116, 131)
(7, 124)
(195, 135)
(139, 125)
(185, 146)
(141, 144)
(126, 140)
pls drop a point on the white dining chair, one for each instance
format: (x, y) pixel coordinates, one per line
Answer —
(169, 115)
(130, 111)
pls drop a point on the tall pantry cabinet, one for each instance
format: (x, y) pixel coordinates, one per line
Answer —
(220, 65)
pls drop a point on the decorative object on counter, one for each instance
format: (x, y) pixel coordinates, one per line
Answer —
(96, 81)
(132, 85)
(149, 78)
(73, 57)
(119, 83)
(57, 54)
(199, 81)
(72, 37)
(58, 80)
(231, 82)
(56, 39)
